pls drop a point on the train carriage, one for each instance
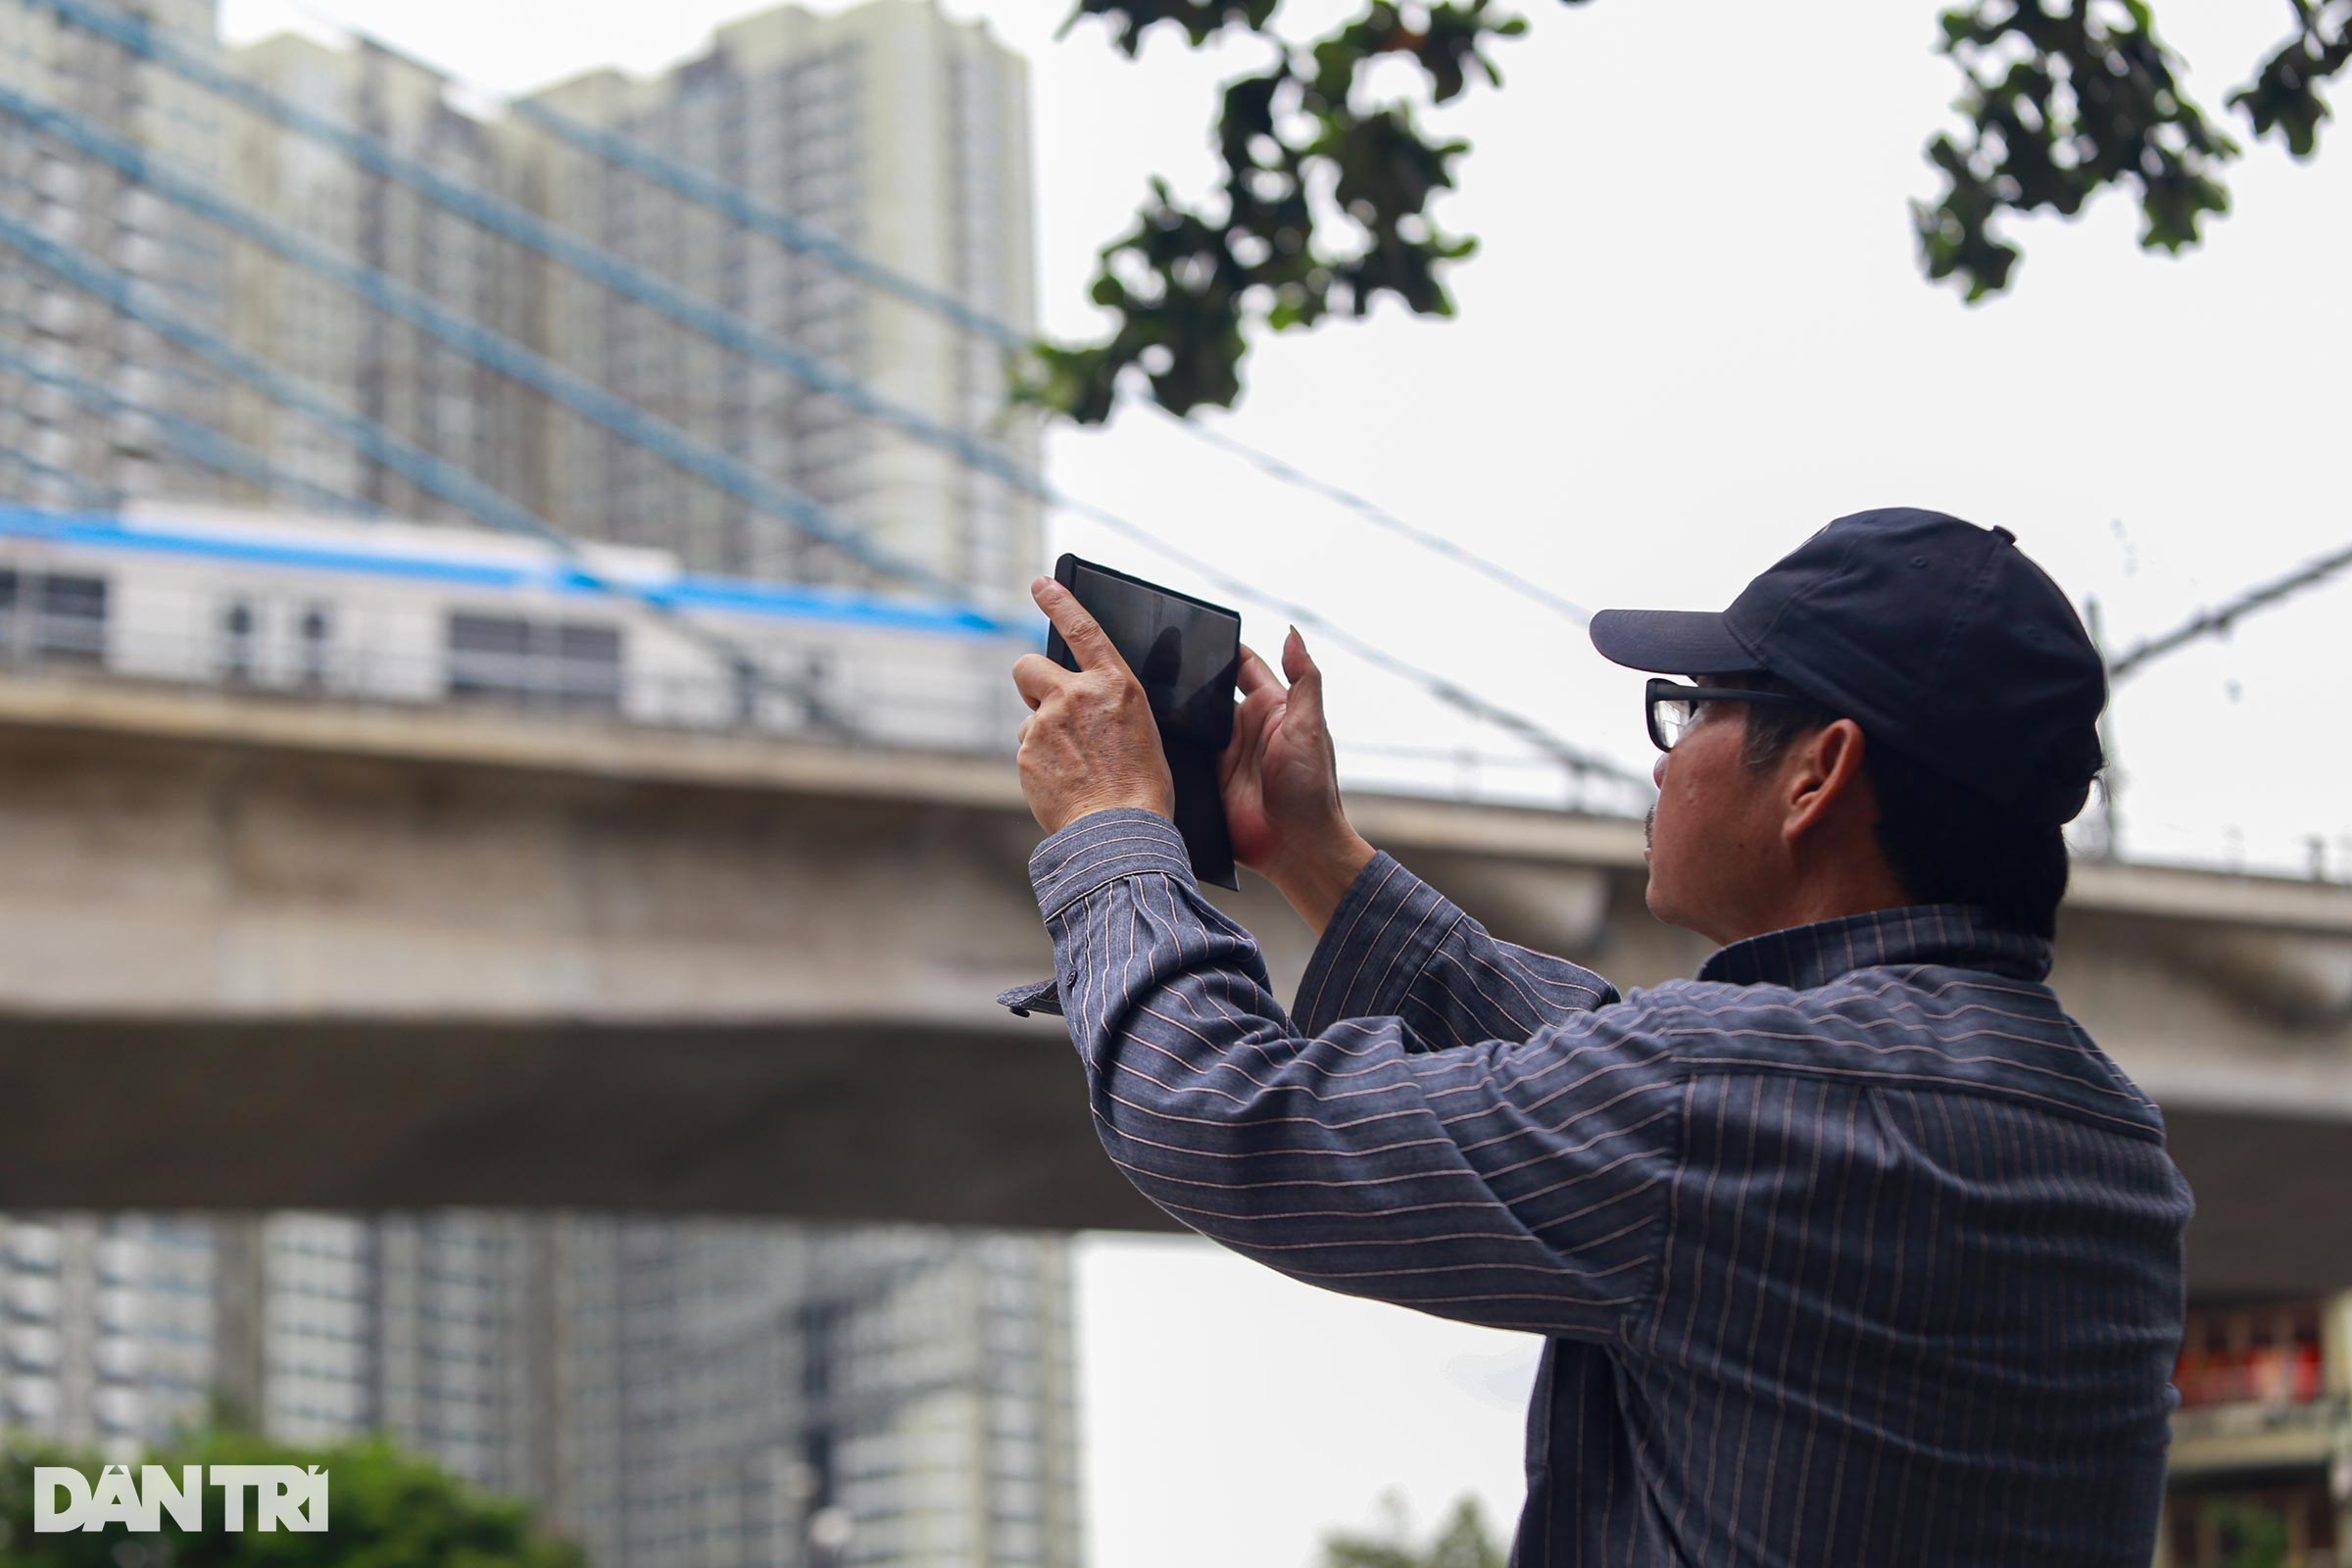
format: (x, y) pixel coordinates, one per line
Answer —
(387, 611)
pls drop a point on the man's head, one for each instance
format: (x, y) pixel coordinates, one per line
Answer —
(1934, 728)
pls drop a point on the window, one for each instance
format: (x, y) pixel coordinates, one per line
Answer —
(2270, 1353)
(565, 663)
(237, 641)
(318, 629)
(51, 616)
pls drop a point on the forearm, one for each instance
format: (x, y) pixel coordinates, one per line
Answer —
(1394, 946)
(1335, 1156)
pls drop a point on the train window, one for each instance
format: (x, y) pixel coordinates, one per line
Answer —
(490, 655)
(68, 615)
(571, 663)
(490, 634)
(587, 664)
(318, 626)
(595, 644)
(73, 598)
(237, 641)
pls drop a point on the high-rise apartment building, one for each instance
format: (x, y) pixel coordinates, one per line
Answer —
(79, 377)
(368, 359)
(674, 1394)
(895, 130)
(107, 1328)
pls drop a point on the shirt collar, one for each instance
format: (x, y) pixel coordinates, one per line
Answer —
(1953, 936)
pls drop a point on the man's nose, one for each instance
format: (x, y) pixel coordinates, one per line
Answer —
(1657, 770)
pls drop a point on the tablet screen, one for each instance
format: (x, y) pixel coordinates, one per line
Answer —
(1182, 650)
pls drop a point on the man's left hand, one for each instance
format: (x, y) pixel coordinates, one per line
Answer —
(1089, 743)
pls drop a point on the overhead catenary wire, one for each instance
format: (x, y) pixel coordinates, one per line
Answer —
(808, 239)
(1575, 758)
(419, 467)
(142, 37)
(493, 215)
(1438, 544)
(2221, 619)
(191, 439)
(85, 491)
(499, 216)
(479, 343)
(803, 237)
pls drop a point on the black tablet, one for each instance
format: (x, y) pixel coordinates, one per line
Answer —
(1186, 652)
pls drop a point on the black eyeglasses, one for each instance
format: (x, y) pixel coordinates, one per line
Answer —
(1673, 707)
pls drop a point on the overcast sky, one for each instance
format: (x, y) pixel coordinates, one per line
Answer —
(1696, 332)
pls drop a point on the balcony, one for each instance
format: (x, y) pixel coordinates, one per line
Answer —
(2257, 1433)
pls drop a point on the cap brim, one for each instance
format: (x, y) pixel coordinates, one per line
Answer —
(1670, 642)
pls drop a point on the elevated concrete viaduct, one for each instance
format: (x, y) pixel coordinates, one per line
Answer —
(270, 953)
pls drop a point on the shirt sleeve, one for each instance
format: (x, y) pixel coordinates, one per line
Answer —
(1396, 946)
(1514, 1181)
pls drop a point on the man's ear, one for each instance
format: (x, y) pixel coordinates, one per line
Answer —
(1823, 773)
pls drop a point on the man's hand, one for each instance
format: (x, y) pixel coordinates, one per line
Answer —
(1089, 743)
(1282, 787)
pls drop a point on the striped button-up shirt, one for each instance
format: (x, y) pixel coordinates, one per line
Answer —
(1853, 1251)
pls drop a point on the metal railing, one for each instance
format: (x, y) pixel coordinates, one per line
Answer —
(942, 710)
(953, 712)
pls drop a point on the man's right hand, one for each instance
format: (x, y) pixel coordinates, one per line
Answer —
(1282, 787)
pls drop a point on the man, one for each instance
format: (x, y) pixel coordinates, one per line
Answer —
(1853, 1251)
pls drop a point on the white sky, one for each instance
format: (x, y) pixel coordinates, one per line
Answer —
(1695, 333)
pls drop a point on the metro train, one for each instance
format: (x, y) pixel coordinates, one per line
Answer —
(404, 612)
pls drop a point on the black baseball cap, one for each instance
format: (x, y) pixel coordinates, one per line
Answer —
(1939, 638)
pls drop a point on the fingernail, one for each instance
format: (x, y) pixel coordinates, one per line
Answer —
(1036, 585)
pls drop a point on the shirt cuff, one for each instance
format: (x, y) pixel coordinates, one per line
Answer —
(1387, 927)
(1038, 996)
(1124, 840)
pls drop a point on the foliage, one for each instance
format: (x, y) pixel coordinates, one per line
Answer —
(387, 1509)
(2059, 106)
(1461, 1541)
(2251, 1535)
(1323, 203)
(1323, 206)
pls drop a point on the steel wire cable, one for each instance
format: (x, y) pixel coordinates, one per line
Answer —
(141, 36)
(418, 466)
(806, 238)
(2219, 621)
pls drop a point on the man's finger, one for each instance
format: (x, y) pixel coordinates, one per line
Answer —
(1035, 677)
(1256, 674)
(1249, 718)
(1088, 643)
(1238, 750)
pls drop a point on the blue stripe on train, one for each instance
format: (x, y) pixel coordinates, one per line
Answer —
(739, 596)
